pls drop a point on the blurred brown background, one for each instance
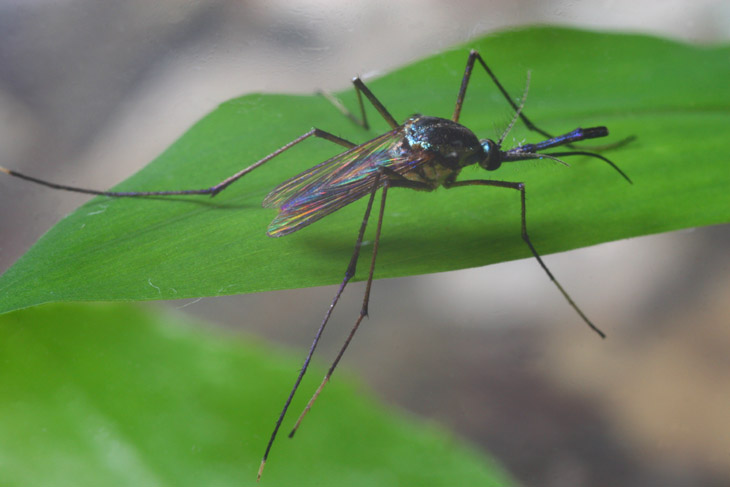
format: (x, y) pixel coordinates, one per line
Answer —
(90, 91)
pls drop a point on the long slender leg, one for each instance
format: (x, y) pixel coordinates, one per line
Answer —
(475, 56)
(521, 188)
(213, 190)
(363, 314)
(349, 273)
(361, 89)
(360, 122)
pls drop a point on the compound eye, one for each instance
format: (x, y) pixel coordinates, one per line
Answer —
(492, 158)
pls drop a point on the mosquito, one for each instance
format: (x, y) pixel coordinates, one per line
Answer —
(423, 153)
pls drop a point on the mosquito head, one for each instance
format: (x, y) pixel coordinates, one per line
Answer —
(492, 155)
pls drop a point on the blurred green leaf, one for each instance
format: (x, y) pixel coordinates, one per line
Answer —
(673, 97)
(115, 395)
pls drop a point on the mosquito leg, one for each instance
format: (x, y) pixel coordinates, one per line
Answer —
(521, 188)
(361, 88)
(360, 122)
(349, 273)
(315, 132)
(213, 190)
(475, 56)
(363, 314)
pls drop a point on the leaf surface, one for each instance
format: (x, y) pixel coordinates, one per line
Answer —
(673, 97)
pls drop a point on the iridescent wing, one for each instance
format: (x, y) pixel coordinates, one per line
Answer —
(335, 183)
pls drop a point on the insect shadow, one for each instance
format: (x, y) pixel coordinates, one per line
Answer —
(423, 153)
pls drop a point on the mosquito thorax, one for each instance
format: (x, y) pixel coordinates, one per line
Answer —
(455, 145)
(492, 155)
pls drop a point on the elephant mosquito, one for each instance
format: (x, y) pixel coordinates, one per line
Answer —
(423, 153)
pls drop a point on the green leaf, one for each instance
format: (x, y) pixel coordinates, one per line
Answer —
(672, 97)
(114, 395)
